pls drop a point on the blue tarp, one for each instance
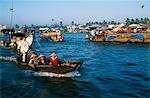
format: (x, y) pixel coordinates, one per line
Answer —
(138, 36)
(110, 37)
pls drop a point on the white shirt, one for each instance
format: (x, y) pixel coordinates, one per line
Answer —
(23, 45)
(93, 33)
(29, 39)
(18, 44)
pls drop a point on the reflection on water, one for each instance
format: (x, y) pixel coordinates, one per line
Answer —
(109, 70)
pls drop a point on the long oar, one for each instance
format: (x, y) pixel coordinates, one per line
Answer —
(38, 43)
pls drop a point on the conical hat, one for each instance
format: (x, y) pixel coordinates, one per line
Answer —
(41, 56)
(53, 54)
(33, 55)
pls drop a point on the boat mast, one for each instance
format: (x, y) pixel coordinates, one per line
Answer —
(11, 9)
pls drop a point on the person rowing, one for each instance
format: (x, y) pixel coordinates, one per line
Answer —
(54, 59)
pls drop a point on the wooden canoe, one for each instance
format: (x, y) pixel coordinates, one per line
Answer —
(64, 67)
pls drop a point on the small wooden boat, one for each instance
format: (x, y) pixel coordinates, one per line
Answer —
(55, 36)
(50, 39)
(64, 67)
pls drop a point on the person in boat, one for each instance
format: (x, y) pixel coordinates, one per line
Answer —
(33, 59)
(86, 36)
(54, 59)
(29, 39)
(1, 43)
(6, 40)
(93, 34)
(60, 37)
(24, 45)
(12, 41)
(42, 60)
(23, 48)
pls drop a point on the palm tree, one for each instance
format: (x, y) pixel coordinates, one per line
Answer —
(96, 22)
(142, 20)
(104, 22)
(113, 22)
(148, 21)
(72, 23)
(127, 21)
(109, 23)
(61, 24)
(132, 21)
(100, 23)
(89, 23)
(32, 26)
(137, 21)
(17, 26)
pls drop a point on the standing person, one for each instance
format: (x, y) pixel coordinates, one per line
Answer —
(24, 45)
(93, 34)
(29, 39)
(54, 59)
(23, 48)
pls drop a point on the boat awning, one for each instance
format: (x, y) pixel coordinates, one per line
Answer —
(133, 25)
(42, 29)
(8, 30)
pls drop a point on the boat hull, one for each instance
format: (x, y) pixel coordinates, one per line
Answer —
(64, 67)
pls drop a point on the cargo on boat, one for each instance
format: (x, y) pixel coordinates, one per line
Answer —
(138, 34)
(53, 35)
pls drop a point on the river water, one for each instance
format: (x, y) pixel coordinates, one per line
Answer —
(109, 70)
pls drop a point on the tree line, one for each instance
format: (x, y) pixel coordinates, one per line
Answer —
(138, 21)
(128, 21)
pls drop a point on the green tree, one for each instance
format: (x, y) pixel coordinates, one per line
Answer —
(104, 22)
(142, 20)
(137, 21)
(32, 25)
(72, 23)
(132, 21)
(61, 24)
(148, 21)
(17, 26)
(96, 22)
(100, 23)
(145, 21)
(127, 21)
(109, 23)
(113, 22)
(88, 24)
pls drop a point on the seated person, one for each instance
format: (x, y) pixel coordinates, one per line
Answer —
(61, 38)
(33, 59)
(54, 60)
(42, 60)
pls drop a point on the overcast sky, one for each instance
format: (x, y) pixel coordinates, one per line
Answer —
(43, 11)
